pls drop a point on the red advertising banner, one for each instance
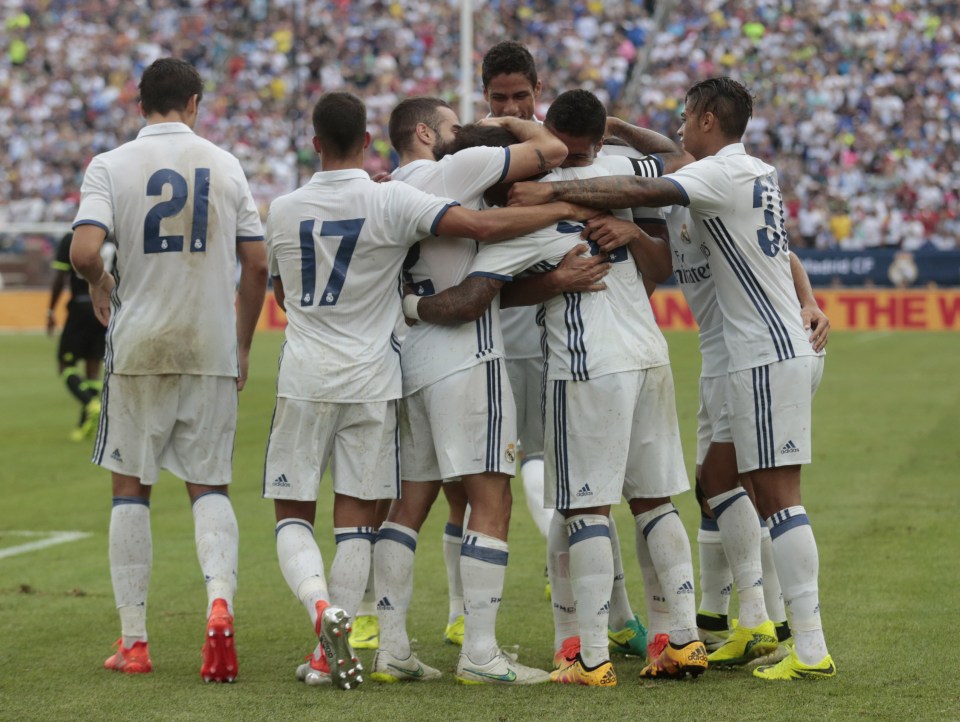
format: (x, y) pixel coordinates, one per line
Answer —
(863, 309)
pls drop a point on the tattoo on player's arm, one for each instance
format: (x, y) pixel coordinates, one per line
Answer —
(541, 162)
(460, 304)
(616, 192)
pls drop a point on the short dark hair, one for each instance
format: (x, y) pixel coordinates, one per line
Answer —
(506, 58)
(340, 122)
(406, 115)
(578, 113)
(168, 84)
(472, 135)
(727, 99)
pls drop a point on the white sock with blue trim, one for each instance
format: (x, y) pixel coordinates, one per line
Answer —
(669, 550)
(131, 563)
(620, 610)
(798, 565)
(483, 566)
(565, 622)
(772, 593)
(301, 564)
(393, 556)
(452, 536)
(737, 520)
(218, 541)
(658, 615)
(351, 566)
(591, 574)
(716, 579)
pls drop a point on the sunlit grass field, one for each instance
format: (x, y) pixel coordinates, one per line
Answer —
(883, 495)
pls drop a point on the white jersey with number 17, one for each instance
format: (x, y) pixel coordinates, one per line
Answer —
(338, 244)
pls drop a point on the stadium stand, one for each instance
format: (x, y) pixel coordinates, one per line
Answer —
(858, 106)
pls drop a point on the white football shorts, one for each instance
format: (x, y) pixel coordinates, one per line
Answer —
(527, 381)
(612, 436)
(185, 424)
(463, 424)
(769, 409)
(359, 440)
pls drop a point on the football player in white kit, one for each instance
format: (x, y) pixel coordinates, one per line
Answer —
(608, 362)
(445, 371)
(511, 88)
(178, 344)
(336, 247)
(774, 369)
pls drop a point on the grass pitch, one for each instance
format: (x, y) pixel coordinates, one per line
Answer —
(882, 494)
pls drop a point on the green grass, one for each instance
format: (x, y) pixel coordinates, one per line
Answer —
(883, 495)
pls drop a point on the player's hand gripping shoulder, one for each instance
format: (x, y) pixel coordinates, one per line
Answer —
(610, 232)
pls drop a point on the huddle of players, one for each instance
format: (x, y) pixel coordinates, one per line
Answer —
(611, 425)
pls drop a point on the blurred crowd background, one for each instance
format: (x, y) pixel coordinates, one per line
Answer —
(858, 105)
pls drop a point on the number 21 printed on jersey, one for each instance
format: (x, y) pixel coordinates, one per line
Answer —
(153, 241)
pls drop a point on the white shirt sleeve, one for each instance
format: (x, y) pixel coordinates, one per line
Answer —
(414, 214)
(705, 185)
(505, 260)
(96, 200)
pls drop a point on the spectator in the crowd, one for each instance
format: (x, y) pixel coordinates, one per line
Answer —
(856, 103)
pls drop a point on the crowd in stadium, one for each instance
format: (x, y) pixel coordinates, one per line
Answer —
(857, 106)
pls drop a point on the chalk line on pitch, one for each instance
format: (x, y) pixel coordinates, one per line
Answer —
(50, 538)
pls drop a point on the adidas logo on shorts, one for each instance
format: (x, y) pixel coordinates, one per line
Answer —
(585, 491)
(116, 456)
(789, 448)
(281, 481)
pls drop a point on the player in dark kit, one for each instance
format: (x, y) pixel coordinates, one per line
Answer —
(82, 339)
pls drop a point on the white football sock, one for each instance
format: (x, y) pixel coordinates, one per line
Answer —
(393, 556)
(716, 579)
(591, 574)
(452, 537)
(131, 561)
(670, 553)
(368, 605)
(798, 565)
(301, 564)
(218, 541)
(737, 519)
(772, 594)
(658, 616)
(532, 471)
(620, 610)
(565, 622)
(351, 566)
(483, 566)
